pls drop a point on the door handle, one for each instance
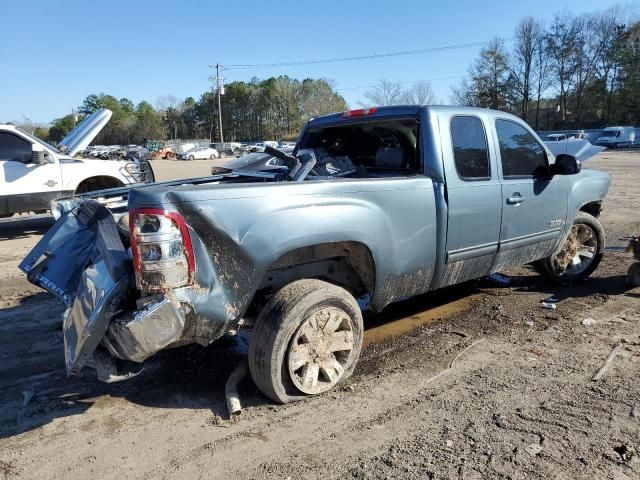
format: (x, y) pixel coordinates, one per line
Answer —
(515, 199)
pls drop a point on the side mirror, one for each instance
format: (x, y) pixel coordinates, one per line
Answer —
(37, 154)
(566, 165)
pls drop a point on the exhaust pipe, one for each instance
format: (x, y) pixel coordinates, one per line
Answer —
(231, 388)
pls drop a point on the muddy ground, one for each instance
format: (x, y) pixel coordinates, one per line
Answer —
(476, 381)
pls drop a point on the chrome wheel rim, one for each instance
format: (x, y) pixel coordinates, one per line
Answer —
(320, 350)
(578, 251)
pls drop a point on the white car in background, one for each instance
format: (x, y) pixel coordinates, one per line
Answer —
(33, 173)
(555, 137)
(200, 153)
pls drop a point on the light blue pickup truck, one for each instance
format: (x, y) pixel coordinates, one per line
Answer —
(373, 206)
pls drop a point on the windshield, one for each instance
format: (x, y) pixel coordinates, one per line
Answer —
(41, 142)
(610, 133)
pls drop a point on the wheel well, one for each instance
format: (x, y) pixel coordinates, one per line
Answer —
(592, 208)
(347, 264)
(100, 182)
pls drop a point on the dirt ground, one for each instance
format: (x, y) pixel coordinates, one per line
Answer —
(476, 381)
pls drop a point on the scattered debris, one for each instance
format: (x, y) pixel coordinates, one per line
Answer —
(449, 443)
(453, 361)
(499, 278)
(530, 323)
(623, 452)
(533, 449)
(551, 299)
(27, 395)
(587, 322)
(607, 363)
(231, 388)
(548, 306)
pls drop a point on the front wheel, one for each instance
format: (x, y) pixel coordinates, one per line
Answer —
(306, 340)
(579, 255)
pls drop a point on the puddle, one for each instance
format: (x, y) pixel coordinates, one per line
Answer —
(400, 326)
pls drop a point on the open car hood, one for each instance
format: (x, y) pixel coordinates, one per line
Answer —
(83, 133)
(581, 150)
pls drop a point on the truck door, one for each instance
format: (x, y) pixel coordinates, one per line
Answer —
(534, 206)
(474, 198)
(26, 186)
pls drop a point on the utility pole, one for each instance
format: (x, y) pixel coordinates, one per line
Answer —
(220, 89)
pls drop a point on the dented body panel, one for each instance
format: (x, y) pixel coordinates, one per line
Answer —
(383, 238)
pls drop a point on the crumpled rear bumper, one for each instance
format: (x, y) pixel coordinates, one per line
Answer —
(139, 334)
(82, 260)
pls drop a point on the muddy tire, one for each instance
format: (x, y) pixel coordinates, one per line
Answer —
(306, 340)
(579, 255)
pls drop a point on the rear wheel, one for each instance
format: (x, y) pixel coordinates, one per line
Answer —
(212, 157)
(579, 255)
(169, 155)
(306, 340)
(191, 157)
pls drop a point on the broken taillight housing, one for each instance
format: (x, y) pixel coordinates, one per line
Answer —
(161, 248)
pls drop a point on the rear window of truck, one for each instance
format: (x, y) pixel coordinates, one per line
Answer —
(376, 148)
(470, 152)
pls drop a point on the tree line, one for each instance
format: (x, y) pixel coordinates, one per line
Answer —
(579, 71)
(273, 109)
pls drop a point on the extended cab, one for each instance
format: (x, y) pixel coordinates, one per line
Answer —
(33, 173)
(373, 206)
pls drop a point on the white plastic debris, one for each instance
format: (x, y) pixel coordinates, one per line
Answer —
(548, 306)
(587, 322)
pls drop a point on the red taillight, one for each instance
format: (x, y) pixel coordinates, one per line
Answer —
(360, 112)
(161, 248)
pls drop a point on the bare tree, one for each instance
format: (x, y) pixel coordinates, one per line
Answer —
(562, 45)
(384, 92)
(419, 93)
(522, 61)
(543, 80)
(168, 101)
(462, 94)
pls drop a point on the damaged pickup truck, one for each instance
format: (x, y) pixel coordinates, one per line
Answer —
(373, 206)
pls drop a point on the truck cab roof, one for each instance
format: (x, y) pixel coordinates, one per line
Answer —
(401, 111)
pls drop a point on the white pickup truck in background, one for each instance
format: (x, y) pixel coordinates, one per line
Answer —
(32, 172)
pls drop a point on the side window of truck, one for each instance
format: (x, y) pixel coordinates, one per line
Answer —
(520, 153)
(14, 148)
(470, 150)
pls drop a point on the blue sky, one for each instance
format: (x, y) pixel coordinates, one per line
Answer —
(53, 54)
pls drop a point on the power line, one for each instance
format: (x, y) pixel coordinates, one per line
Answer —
(242, 66)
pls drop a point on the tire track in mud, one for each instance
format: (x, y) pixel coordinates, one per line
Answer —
(382, 406)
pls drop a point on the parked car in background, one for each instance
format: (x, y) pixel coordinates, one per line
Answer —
(228, 149)
(260, 146)
(614, 137)
(555, 137)
(199, 153)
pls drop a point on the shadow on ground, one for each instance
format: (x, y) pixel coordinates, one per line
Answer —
(188, 377)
